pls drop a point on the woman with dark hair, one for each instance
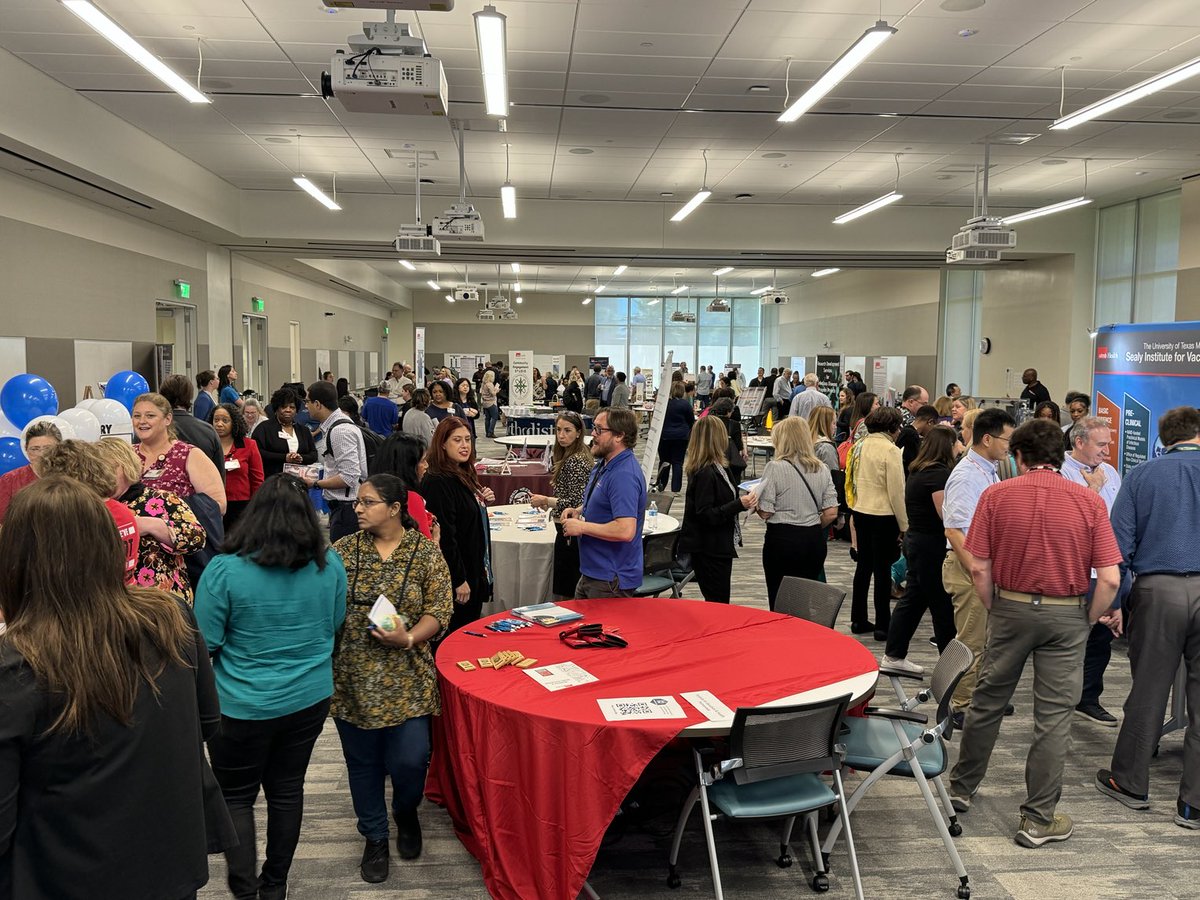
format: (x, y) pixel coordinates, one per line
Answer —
(281, 441)
(416, 419)
(269, 607)
(723, 405)
(401, 455)
(343, 388)
(676, 431)
(925, 550)
(571, 464)
(243, 465)
(349, 406)
(207, 387)
(107, 695)
(227, 391)
(573, 393)
(453, 493)
(385, 682)
(442, 405)
(464, 394)
(539, 387)
(1048, 409)
(850, 420)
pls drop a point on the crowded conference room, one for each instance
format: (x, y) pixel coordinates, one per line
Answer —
(552, 449)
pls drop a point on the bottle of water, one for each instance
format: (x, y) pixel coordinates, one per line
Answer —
(652, 516)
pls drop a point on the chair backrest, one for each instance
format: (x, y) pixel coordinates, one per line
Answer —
(658, 552)
(809, 600)
(773, 741)
(951, 666)
(664, 499)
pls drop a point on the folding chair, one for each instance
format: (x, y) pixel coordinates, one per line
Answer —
(777, 755)
(888, 741)
(809, 600)
(658, 556)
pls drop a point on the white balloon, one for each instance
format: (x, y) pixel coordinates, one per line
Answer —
(7, 428)
(64, 427)
(86, 404)
(86, 425)
(114, 419)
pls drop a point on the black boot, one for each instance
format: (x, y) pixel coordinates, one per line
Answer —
(272, 892)
(408, 834)
(374, 867)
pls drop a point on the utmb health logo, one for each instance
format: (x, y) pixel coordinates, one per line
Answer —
(1105, 353)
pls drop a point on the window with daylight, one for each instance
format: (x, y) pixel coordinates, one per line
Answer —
(1137, 258)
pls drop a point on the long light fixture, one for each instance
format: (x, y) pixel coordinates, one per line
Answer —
(701, 195)
(867, 44)
(619, 270)
(124, 42)
(517, 286)
(1132, 94)
(762, 290)
(408, 265)
(587, 300)
(821, 273)
(1046, 210)
(508, 200)
(434, 285)
(877, 203)
(723, 271)
(516, 266)
(493, 63)
(680, 289)
(603, 287)
(316, 193)
(449, 298)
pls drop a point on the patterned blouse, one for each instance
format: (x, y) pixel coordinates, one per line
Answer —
(376, 686)
(159, 566)
(168, 472)
(571, 482)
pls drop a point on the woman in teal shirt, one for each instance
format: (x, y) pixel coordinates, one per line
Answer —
(269, 608)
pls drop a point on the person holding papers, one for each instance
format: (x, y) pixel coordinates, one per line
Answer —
(608, 523)
(570, 466)
(385, 683)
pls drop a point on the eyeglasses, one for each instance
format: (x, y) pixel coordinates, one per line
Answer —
(365, 504)
(600, 429)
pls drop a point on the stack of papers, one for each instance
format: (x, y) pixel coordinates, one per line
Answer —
(548, 614)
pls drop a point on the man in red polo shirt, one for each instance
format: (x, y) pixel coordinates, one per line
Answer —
(1033, 542)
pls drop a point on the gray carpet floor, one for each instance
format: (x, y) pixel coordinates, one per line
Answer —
(1114, 853)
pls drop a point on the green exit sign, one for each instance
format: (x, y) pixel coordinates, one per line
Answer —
(183, 288)
(257, 304)
(386, 331)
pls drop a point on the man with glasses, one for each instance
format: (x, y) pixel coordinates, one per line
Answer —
(970, 478)
(344, 456)
(608, 525)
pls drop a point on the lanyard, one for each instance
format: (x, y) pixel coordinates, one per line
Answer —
(1184, 448)
(990, 473)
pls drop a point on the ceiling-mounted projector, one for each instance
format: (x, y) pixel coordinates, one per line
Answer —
(413, 239)
(388, 70)
(972, 255)
(486, 315)
(466, 293)
(508, 314)
(681, 316)
(497, 302)
(460, 222)
(984, 232)
(415, 5)
(718, 306)
(773, 297)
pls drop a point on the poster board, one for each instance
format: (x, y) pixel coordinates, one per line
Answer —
(829, 376)
(751, 399)
(656, 420)
(322, 364)
(520, 377)
(418, 354)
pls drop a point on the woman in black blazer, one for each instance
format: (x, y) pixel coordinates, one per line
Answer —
(711, 509)
(280, 440)
(453, 494)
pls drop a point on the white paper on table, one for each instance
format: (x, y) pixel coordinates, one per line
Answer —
(381, 613)
(628, 709)
(560, 675)
(708, 705)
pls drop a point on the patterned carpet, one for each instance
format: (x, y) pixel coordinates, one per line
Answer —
(1114, 853)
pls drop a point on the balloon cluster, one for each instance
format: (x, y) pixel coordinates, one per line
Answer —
(26, 400)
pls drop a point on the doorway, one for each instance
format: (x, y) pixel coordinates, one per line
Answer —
(254, 354)
(175, 338)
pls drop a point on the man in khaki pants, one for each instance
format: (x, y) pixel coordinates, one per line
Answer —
(974, 474)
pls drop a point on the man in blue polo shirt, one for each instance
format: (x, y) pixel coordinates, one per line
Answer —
(608, 525)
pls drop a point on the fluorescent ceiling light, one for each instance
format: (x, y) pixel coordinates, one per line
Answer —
(680, 289)
(408, 265)
(516, 287)
(821, 273)
(1129, 95)
(587, 300)
(724, 271)
(516, 267)
(490, 36)
(602, 287)
(842, 66)
(121, 39)
(653, 302)
(520, 299)
(763, 290)
(619, 270)
(1046, 210)
(316, 193)
(449, 298)
(508, 199)
(433, 284)
(686, 209)
(877, 203)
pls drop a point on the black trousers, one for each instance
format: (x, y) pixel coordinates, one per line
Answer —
(877, 550)
(672, 451)
(342, 520)
(566, 564)
(797, 550)
(271, 754)
(925, 554)
(714, 575)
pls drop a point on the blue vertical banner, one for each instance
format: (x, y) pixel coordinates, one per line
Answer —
(1139, 372)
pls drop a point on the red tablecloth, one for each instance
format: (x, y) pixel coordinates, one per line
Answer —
(522, 475)
(532, 778)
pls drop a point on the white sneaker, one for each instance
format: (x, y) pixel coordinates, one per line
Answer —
(901, 665)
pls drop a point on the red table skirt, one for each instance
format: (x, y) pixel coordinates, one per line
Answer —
(532, 778)
(531, 476)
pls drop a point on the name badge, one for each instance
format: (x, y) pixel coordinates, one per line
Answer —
(231, 464)
(284, 435)
(152, 474)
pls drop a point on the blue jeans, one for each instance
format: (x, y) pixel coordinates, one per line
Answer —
(400, 752)
(491, 415)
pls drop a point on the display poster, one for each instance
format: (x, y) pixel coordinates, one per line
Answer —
(751, 399)
(1139, 372)
(829, 377)
(656, 420)
(520, 377)
(322, 363)
(419, 353)
(879, 377)
(558, 364)
(601, 361)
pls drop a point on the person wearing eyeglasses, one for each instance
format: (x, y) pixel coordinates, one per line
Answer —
(40, 438)
(608, 523)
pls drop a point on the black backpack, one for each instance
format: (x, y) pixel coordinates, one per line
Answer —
(371, 442)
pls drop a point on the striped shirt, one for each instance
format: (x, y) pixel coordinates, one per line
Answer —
(790, 500)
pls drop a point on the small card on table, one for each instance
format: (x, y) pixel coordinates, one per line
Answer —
(708, 705)
(629, 709)
(560, 675)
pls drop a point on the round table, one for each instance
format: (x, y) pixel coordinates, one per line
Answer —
(532, 442)
(507, 751)
(531, 476)
(523, 560)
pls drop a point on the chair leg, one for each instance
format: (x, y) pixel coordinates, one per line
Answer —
(964, 889)
(684, 815)
(820, 882)
(785, 858)
(865, 785)
(841, 790)
(712, 844)
(951, 813)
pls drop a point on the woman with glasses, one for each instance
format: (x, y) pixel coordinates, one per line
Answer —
(454, 495)
(385, 682)
(571, 463)
(269, 607)
(38, 439)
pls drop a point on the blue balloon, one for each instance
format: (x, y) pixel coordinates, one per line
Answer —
(11, 456)
(25, 397)
(125, 387)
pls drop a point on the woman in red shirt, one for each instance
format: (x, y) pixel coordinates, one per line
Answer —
(243, 465)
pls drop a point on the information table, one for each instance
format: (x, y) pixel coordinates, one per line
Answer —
(531, 476)
(532, 778)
